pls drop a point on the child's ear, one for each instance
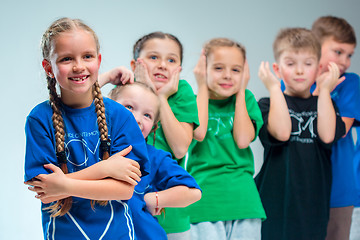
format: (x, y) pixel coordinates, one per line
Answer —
(276, 70)
(132, 64)
(47, 67)
(99, 59)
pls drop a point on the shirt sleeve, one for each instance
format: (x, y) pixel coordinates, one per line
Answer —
(183, 104)
(254, 112)
(264, 135)
(169, 173)
(40, 148)
(347, 96)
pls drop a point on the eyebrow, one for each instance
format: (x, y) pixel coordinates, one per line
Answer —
(171, 54)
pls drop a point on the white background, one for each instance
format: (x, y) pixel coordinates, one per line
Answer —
(119, 24)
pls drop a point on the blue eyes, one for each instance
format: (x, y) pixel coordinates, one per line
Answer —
(169, 60)
(131, 108)
(220, 69)
(67, 59)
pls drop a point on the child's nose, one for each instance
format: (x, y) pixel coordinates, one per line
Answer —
(137, 118)
(163, 64)
(78, 66)
(227, 74)
(299, 69)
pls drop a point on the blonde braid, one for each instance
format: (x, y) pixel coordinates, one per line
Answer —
(101, 120)
(62, 206)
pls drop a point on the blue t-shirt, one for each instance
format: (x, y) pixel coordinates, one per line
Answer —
(347, 98)
(82, 140)
(357, 167)
(165, 173)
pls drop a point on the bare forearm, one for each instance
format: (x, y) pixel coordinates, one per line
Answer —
(93, 172)
(179, 196)
(105, 189)
(103, 79)
(202, 101)
(279, 122)
(178, 135)
(326, 117)
(243, 131)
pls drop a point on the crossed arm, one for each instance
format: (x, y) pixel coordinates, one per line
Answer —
(111, 179)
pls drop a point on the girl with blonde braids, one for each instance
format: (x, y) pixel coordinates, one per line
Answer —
(74, 131)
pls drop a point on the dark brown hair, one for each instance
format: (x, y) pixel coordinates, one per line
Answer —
(337, 28)
(139, 45)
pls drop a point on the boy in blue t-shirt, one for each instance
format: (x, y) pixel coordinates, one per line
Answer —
(338, 41)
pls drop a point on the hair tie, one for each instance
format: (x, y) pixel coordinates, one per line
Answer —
(105, 148)
(105, 145)
(61, 157)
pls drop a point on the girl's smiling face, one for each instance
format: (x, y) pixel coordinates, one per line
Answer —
(224, 72)
(162, 58)
(74, 62)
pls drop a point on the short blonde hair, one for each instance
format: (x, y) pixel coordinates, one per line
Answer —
(296, 39)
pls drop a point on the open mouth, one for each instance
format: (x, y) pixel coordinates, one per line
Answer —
(79, 79)
(160, 77)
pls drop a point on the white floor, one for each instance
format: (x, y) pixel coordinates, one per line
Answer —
(355, 225)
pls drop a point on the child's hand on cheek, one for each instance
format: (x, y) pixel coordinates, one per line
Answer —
(141, 73)
(200, 70)
(170, 87)
(267, 77)
(329, 79)
(245, 77)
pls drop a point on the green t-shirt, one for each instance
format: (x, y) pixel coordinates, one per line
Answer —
(183, 105)
(223, 171)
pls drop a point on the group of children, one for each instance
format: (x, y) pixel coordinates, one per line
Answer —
(103, 170)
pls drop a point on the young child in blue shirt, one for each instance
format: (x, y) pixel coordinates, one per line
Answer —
(168, 184)
(75, 130)
(338, 41)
